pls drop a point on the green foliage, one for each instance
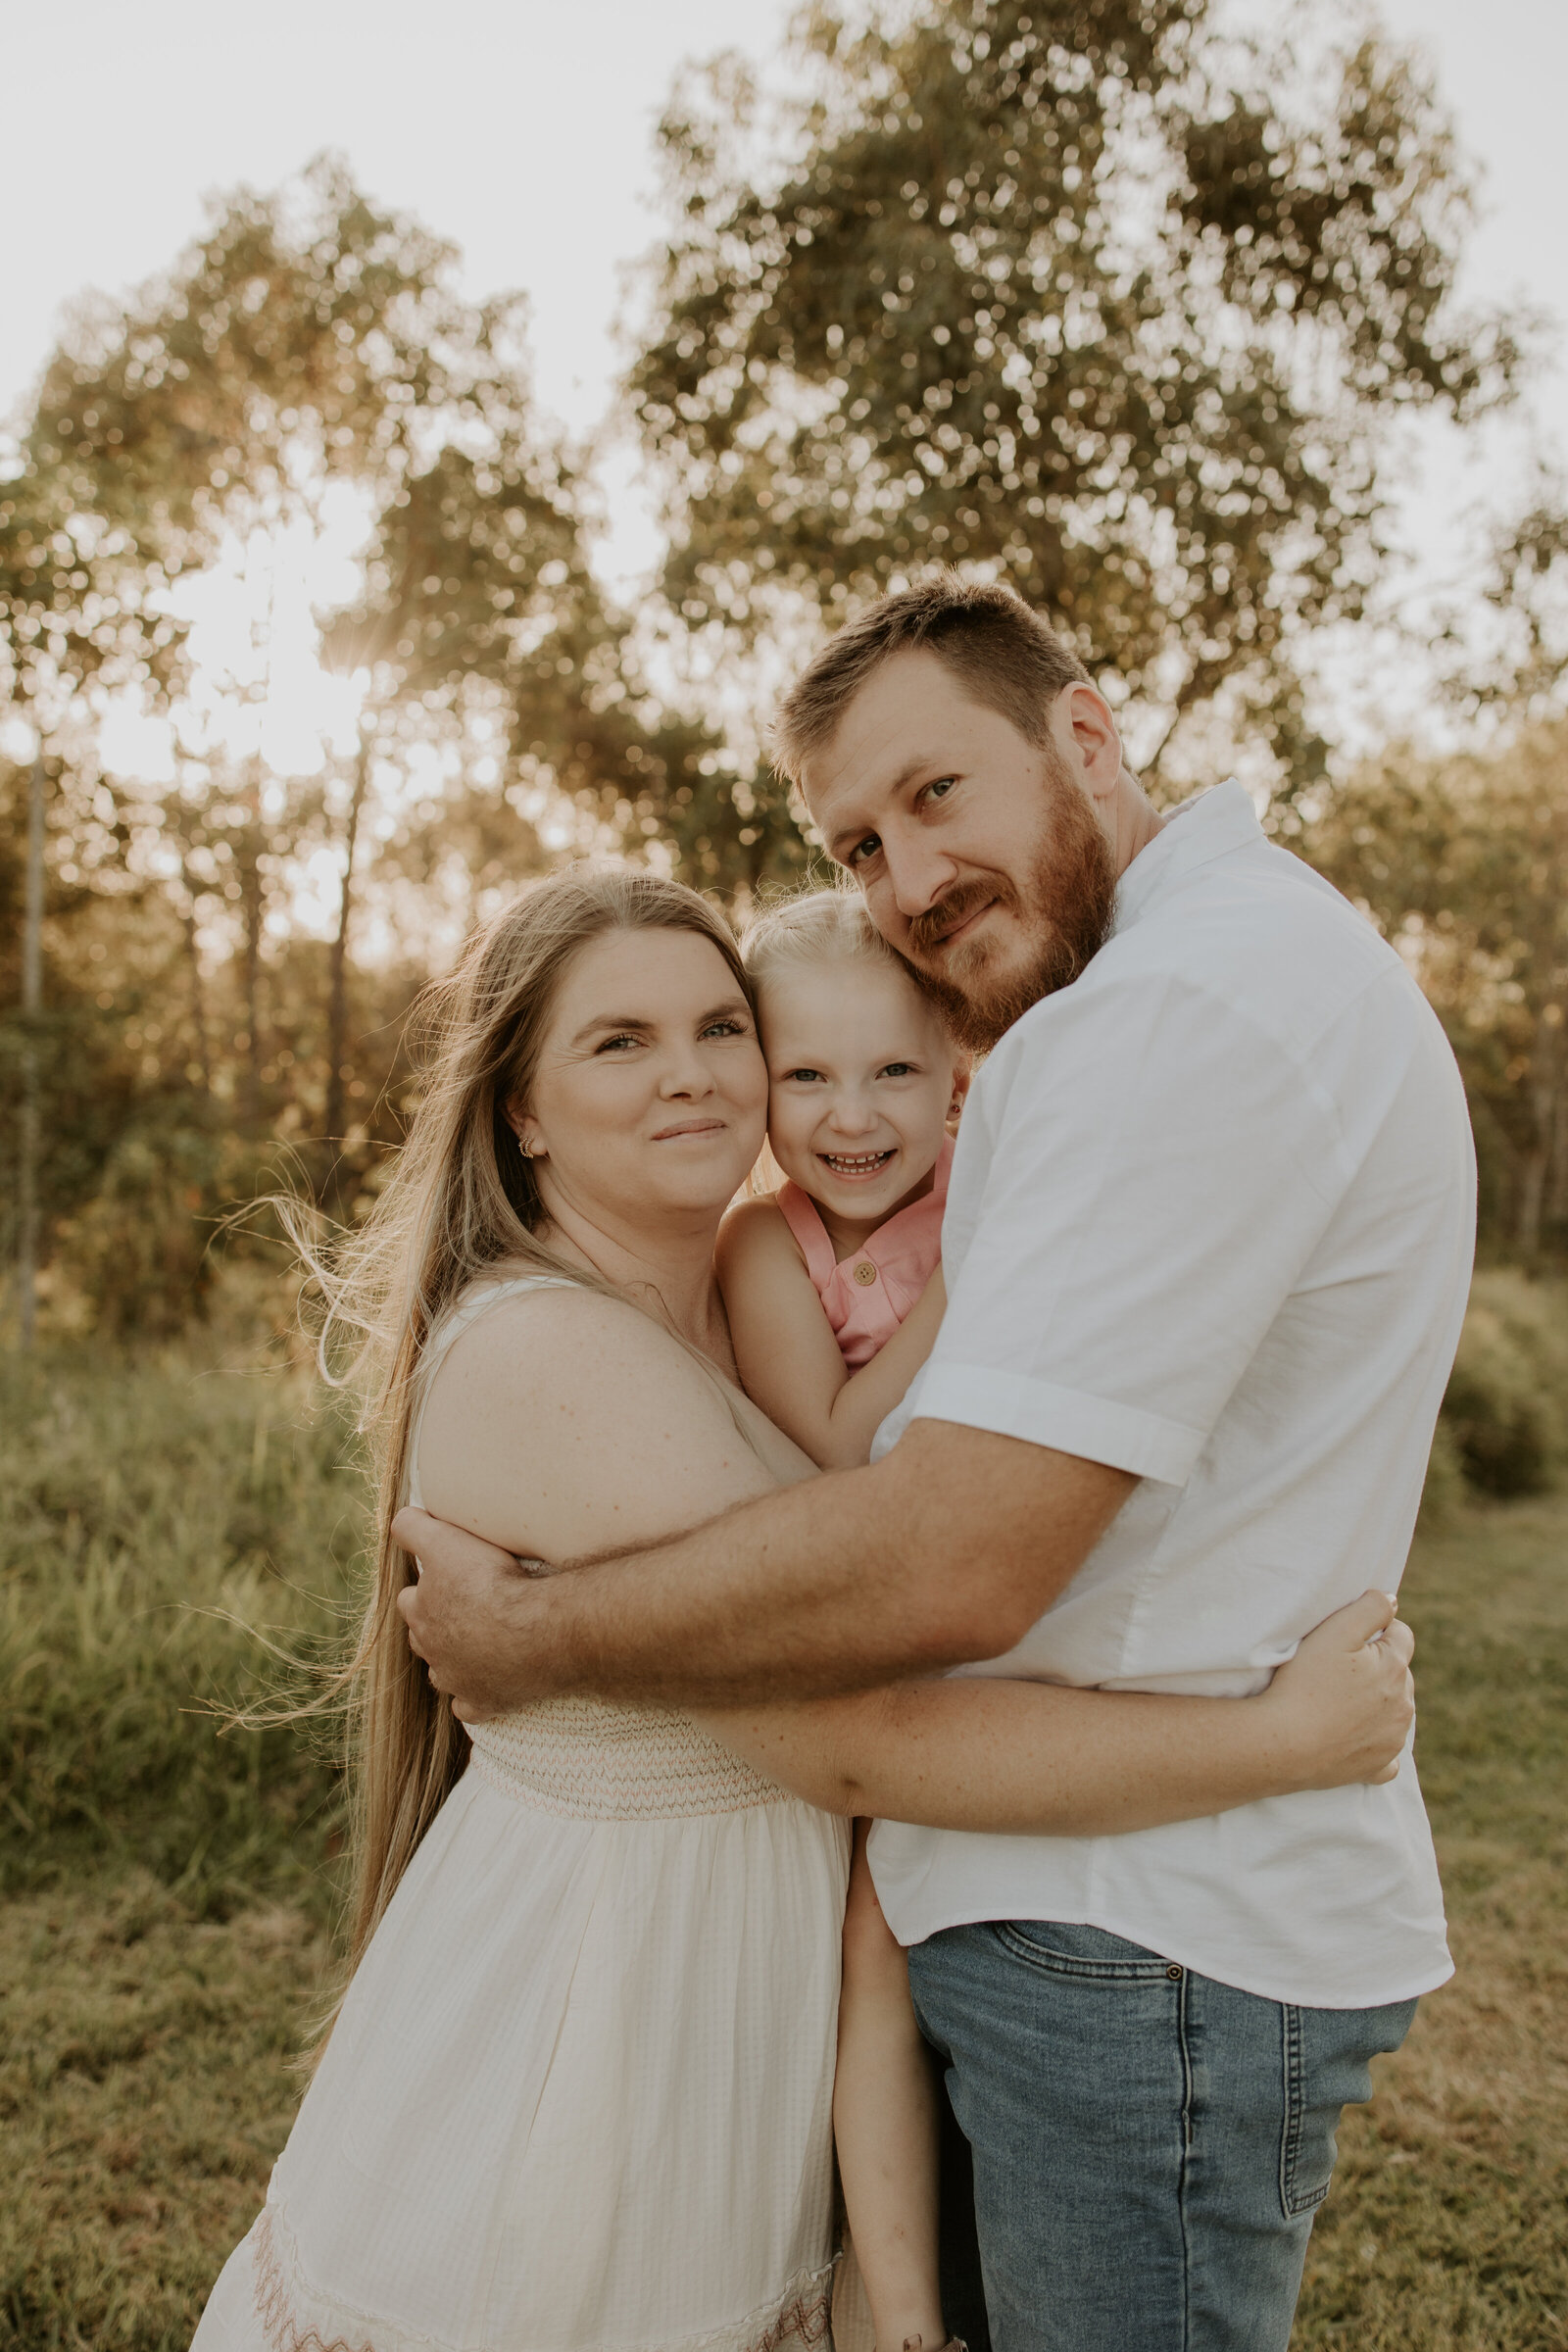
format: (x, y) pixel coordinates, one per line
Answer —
(1507, 1409)
(1105, 298)
(166, 1520)
(1044, 293)
(1464, 862)
(164, 1945)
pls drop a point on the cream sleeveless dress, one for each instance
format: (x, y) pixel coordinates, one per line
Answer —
(579, 2096)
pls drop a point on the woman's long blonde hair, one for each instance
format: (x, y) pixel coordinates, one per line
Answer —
(461, 1203)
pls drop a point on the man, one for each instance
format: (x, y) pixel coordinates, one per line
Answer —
(1208, 1247)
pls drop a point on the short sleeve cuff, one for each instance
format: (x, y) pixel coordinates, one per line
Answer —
(1016, 1406)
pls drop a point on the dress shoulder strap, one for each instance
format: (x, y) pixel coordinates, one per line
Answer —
(800, 1213)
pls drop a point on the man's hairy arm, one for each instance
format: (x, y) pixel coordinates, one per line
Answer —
(944, 1552)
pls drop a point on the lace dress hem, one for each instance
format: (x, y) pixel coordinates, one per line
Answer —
(295, 2318)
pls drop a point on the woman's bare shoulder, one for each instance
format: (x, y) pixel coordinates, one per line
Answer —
(562, 1420)
(567, 1344)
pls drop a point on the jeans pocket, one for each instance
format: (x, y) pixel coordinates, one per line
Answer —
(1306, 2156)
(1092, 1955)
(1328, 2058)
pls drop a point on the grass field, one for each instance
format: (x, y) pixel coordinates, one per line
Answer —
(166, 1931)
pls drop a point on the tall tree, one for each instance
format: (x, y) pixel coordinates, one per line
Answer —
(1464, 862)
(1093, 293)
(308, 340)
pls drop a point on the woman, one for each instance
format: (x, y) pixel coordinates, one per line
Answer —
(578, 2094)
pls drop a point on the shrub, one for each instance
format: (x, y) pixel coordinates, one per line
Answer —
(1506, 1408)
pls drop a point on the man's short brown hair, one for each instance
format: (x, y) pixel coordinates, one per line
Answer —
(1006, 656)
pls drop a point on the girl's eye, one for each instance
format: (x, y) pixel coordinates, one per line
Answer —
(940, 789)
(808, 1076)
(898, 1069)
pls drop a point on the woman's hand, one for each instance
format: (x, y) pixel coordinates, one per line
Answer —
(1344, 1703)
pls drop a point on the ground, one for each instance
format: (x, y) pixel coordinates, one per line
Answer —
(165, 1943)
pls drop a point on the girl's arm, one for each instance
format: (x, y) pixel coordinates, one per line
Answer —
(1042, 1759)
(786, 1351)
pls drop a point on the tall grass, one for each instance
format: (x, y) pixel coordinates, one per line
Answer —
(163, 1521)
(165, 1940)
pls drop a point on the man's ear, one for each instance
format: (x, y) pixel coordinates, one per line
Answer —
(1087, 735)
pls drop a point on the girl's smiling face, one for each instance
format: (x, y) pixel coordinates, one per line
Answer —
(861, 1079)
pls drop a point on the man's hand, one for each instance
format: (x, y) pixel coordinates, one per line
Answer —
(466, 1613)
(945, 1551)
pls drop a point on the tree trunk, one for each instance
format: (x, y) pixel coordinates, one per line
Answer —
(250, 882)
(31, 1007)
(198, 992)
(1537, 1169)
(1558, 1210)
(337, 993)
(1532, 1193)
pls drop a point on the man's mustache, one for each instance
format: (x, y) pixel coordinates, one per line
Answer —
(927, 931)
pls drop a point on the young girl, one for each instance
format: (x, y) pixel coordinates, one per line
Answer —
(833, 1288)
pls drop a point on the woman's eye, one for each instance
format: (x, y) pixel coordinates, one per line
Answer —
(725, 1028)
(609, 1045)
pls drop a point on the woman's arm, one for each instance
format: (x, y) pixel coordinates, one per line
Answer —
(786, 1352)
(1041, 1759)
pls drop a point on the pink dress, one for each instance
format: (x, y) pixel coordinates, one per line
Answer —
(866, 1296)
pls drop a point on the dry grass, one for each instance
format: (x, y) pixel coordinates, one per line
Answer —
(1447, 2227)
(163, 1943)
(148, 2081)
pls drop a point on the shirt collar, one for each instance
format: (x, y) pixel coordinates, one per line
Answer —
(1207, 825)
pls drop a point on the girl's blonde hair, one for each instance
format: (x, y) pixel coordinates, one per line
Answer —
(819, 926)
(460, 1204)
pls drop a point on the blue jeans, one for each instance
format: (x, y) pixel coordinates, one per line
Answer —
(1148, 2147)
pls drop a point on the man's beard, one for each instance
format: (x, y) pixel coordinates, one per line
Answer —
(1063, 905)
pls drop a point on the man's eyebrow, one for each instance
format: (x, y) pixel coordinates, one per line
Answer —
(640, 1021)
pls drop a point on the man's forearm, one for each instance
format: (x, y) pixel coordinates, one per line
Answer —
(945, 1553)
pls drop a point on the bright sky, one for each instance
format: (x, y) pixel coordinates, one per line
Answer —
(522, 132)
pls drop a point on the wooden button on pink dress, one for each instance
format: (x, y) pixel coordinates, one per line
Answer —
(867, 1295)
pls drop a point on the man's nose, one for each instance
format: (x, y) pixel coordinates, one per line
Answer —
(920, 874)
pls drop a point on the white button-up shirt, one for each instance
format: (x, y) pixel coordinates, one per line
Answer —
(1210, 1221)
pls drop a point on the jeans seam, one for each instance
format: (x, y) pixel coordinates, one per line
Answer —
(1292, 2205)
(1185, 2164)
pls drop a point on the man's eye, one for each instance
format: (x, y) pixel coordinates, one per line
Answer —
(863, 850)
